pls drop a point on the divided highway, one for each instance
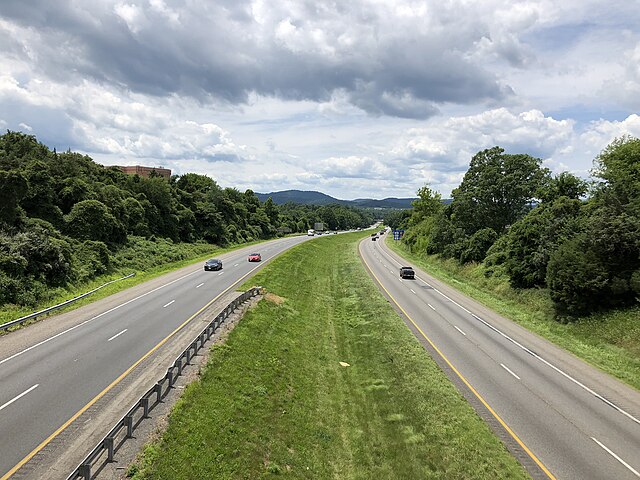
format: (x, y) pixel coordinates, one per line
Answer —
(48, 379)
(562, 417)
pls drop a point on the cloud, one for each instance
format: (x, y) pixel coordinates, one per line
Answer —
(291, 50)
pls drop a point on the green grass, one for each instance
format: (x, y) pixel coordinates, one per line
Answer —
(146, 258)
(609, 341)
(274, 400)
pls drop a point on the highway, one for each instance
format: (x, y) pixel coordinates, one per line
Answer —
(561, 417)
(50, 371)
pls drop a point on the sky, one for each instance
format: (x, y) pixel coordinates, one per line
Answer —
(355, 99)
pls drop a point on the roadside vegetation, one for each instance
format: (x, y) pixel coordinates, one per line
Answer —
(557, 254)
(67, 223)
(276, 401)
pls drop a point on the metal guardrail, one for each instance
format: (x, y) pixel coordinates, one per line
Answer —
(124, 429)
(46, 311)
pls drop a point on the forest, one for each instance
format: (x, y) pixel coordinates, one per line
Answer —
(578, 240)
(65, 219)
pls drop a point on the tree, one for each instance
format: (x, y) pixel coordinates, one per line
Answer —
(496, 191)
(13, 187)
(90, 220)
(428, 203)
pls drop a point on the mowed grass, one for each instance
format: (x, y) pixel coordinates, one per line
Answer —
(607, 340)
(274, 400)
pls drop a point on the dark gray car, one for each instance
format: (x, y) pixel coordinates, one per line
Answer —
(213, 264)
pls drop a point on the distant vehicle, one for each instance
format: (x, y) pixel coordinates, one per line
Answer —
(213, 264)
(311, 232)
(374, 234)
(255, 257)
(407, 272)
(373, 239)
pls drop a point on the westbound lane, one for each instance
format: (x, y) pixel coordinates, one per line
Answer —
(570, 419)
(48, 378)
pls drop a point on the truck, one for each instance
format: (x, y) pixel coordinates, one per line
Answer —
(311, 232)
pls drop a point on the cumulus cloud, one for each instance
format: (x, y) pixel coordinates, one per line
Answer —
(366, 98)
(291, 50)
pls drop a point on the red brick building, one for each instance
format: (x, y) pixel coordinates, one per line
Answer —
(146, 171)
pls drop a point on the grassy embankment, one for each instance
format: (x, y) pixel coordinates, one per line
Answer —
(275, 400)
(148, 259)
(609, 341)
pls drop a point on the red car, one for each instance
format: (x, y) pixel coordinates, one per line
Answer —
(255, 257)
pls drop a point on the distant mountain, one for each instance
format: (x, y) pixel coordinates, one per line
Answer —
(317, 198)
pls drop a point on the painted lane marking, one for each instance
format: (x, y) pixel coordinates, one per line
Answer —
(236, 264)
(464, 380)
(165, 306)
(198, 286)
(431, 307)
(94, 318)
(460, 330)
(507, 369)
(117, 335)
(413, 291)
(634, 471)
(66, 424)
(535, 355)
(19, 396)
(220, 273)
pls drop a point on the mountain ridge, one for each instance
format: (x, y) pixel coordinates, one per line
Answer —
(312, 197)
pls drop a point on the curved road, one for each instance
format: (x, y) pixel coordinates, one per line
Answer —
(561, 417)
(47, 378)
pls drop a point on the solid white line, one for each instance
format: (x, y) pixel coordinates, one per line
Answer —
(19, 396)
(117, 335)
(198, 286)
(412, 291)
(634, 471)
(165, 306)
(460, 330)
(431, 306)
(507, 369)
(94, 318)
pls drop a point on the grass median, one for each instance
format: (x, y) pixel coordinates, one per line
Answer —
(323, 380)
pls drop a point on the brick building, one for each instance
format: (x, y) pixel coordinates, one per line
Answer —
(146, 171)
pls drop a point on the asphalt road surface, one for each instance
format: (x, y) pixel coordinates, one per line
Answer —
(47, 379)
(561, 417)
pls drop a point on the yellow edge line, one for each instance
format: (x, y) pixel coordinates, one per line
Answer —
(496, 416)
(45, 442)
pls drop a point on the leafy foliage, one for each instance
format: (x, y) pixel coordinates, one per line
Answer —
(541, 231)
(65, 219)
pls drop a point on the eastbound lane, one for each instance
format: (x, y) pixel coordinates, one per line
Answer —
(567, 419)
(46, 380)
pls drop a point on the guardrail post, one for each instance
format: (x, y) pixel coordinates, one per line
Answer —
(85, 471)
(108, 444)
(158, 388)
(145, 407)
(170, 376)
(128, 421)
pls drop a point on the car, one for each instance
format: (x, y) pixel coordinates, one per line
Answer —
(254, 257)
(213, 264)
(373, 239)
(407, 272)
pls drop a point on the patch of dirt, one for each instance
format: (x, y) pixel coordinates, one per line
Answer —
(273, 298)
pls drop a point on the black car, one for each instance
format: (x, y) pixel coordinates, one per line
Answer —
(213, 264)
(407, 272)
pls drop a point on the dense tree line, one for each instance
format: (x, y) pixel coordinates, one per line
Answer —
(63, 216)
(580, 240)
